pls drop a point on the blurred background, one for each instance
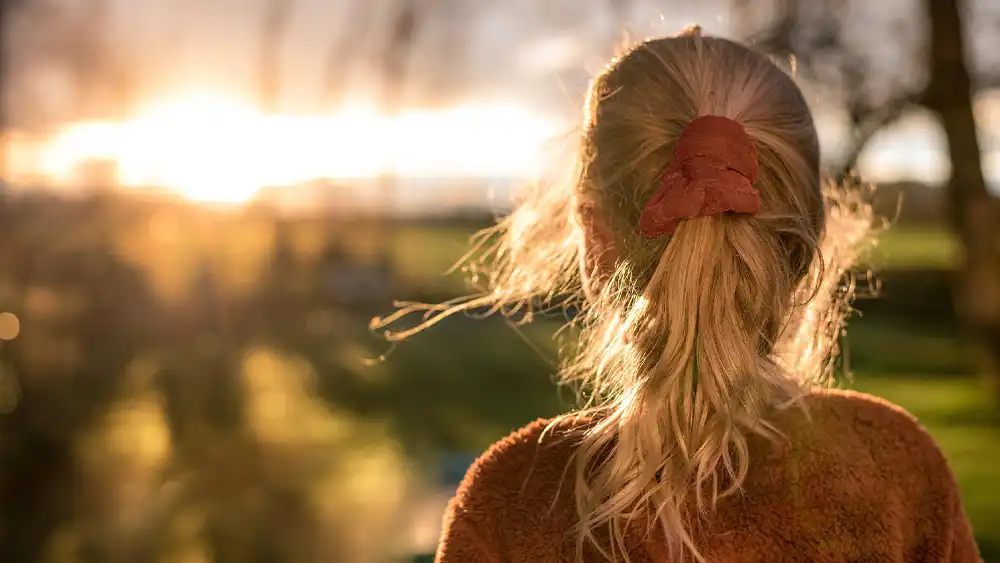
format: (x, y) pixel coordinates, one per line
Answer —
(205, 201)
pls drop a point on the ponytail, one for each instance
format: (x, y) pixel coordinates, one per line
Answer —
(694, 377)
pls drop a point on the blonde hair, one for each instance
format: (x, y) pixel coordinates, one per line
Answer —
(696, 338)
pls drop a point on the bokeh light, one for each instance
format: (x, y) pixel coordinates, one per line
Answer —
(10, 326)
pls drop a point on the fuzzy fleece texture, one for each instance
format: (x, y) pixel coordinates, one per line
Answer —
(863, 482)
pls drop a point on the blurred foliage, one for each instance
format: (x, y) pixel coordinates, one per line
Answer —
(181, 383)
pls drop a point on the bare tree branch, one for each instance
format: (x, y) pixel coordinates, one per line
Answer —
(822, 55)
(7, 8)
(276, 18)
(620, 9)
(397, 52)
(867, 124)
(394, 69)
(77, 42)
(344, 52)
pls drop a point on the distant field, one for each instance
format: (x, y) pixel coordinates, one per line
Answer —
(916, 247)
(423, 254)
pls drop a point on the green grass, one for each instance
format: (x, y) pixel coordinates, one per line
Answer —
(891, 347)
(423, 255)
(916, 247)
(430, 252)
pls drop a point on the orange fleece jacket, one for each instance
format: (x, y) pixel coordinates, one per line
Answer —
(863, 482)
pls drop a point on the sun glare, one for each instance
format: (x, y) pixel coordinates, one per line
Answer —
(211, 148)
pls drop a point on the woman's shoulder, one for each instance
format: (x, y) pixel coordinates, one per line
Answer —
(544, 441)
(511, 493)
(861, 410)
(862, 424)
(869, 450)
(530, 459)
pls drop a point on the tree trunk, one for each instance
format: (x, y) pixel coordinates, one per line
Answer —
(974, 212)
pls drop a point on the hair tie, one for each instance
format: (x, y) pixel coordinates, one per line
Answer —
(712, 171)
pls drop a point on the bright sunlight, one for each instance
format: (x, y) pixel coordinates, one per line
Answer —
(213, 148)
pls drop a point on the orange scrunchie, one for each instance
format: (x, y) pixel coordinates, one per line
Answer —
(712, 171)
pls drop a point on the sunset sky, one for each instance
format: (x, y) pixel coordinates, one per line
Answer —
(490, 84)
